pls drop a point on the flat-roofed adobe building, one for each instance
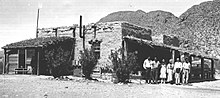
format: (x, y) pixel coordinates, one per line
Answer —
(131, 38)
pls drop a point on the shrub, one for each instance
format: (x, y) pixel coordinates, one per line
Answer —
(121, 66)
(88, 62)
(58, 57)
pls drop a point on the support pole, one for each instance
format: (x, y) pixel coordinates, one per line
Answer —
(212, 69)
(18, 58)
(173, 56)
(5, 61)
(56, 31)
(25, 58)
(38, 62)
(202, 68)
(190, 61)
(38, 11)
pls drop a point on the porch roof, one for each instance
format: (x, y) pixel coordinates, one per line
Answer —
(35, 43)
(152, 43)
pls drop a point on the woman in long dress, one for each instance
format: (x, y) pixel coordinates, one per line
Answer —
(170, 66)
(163, 72)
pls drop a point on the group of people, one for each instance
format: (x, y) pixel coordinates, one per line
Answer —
(170, 72)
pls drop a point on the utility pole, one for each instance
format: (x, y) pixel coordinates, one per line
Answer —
(38, 12)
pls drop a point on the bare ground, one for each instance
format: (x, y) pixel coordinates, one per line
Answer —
(29, 86)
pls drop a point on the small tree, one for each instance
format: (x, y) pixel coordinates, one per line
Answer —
(88, 62)
(59, 62)
(121, 66)
(57, 54)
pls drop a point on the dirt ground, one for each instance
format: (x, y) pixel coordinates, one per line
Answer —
(30, 86)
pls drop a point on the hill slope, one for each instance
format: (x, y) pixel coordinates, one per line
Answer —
(203, 21)
(200, 25)
(159, 21)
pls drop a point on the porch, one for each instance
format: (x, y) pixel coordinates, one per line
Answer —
(202, 65)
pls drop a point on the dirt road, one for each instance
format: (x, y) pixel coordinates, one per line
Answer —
(27, 86)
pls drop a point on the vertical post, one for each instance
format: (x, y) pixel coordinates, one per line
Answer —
(38, 62)
(18, 58)
(5, 61)
(74, 33)
(173, 56)
(202, 68)
(190, 61)
(94, 26)
(25, 58)
(212, 69)
(124, 45)
(55, 29)
(38, 11)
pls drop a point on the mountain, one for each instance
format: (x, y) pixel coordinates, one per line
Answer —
(198, 28)
(158, 21)
(203, 22)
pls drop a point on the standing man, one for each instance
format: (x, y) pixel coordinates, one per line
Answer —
(147, 67)
(154, 70)
(186, 71)
(177, 70)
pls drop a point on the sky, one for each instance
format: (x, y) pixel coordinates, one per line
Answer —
(18, 18)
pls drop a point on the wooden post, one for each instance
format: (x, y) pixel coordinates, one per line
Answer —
(190, 61)
(202, 68)
(5, 61)
(18, 58)
(38, 12)
(124, 45)
(173, 56)
(25, 58)
(38, 62)
(212, 69)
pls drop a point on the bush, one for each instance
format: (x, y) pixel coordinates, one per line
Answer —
(123, 67)
(58, 57)
(88, 62)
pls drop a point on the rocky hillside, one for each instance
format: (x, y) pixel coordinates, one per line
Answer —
(203, 21)
(158, 21)
(198, 28)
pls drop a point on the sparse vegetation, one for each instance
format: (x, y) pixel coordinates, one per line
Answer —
(58, 56)
(88, 62)
(123, 67)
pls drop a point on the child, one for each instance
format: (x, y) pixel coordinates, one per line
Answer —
(163, 72)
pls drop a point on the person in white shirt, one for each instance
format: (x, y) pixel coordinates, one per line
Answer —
(163, 72)
(154, 70)
(147, 67)
(170, 66)
(186, 71)
(177, 70)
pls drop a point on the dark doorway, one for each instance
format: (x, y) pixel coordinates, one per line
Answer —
(21, 57)
(145, 50)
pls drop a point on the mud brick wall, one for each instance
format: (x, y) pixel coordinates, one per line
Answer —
(110, 33)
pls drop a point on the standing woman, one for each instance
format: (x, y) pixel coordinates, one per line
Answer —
(170, 66)
(163, 72)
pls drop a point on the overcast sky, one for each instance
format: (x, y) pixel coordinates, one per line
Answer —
(18, 17)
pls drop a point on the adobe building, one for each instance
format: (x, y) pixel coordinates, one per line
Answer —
(110, 35)
(131, 38)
